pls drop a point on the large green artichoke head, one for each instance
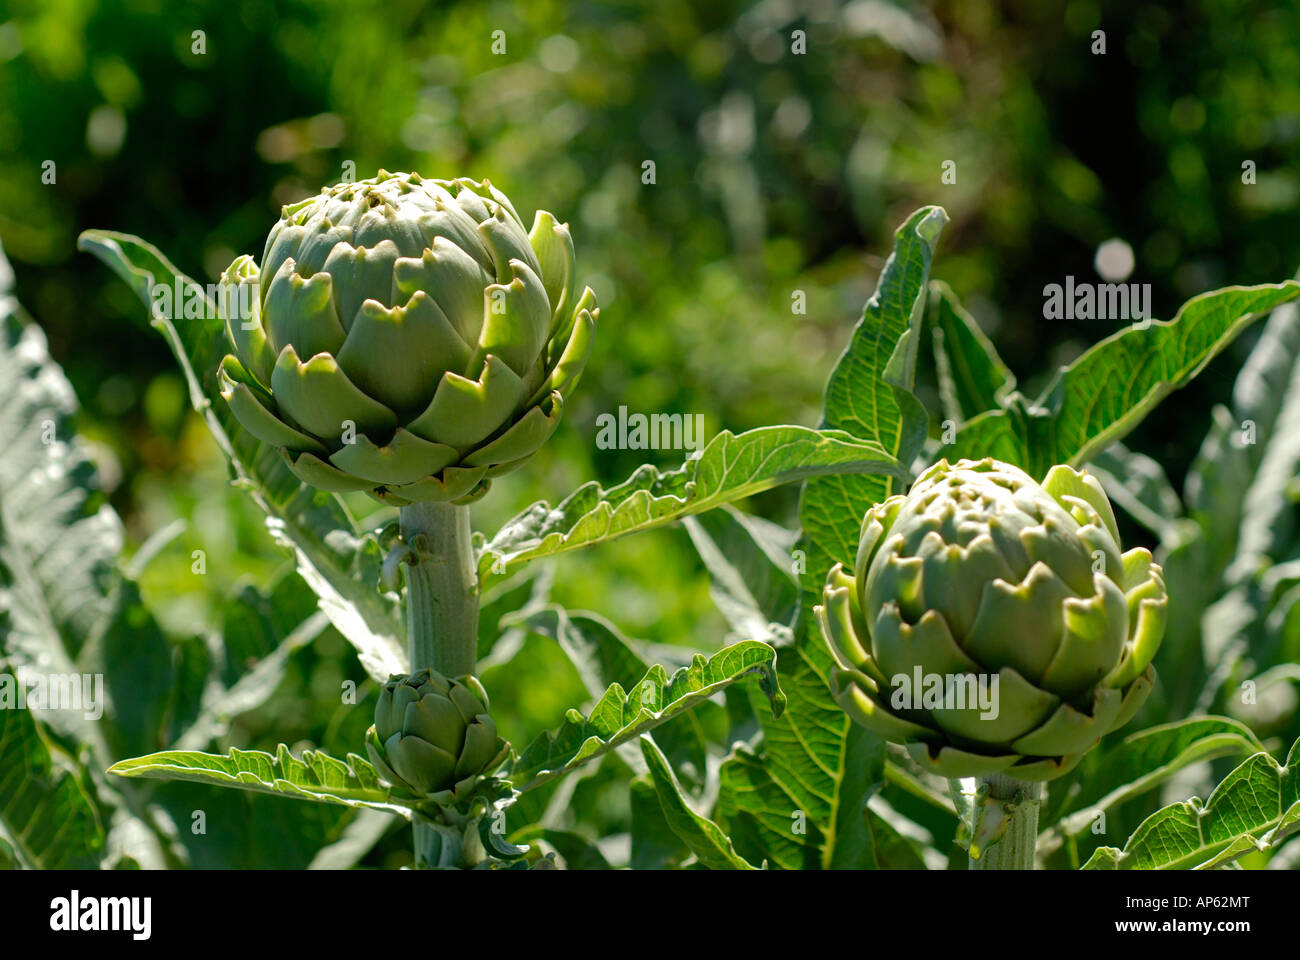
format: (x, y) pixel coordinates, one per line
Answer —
(407, 337)
(991, 623)
(433, 737)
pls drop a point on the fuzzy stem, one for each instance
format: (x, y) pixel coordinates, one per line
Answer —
(441, 614)
(1014, 850)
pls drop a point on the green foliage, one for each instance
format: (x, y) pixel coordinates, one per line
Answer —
(803, 788)
(1254, 808)
(705, 839)
(768, 812)
(972, 377)
(620, 716)
(69, 611)
(47, 818)
(1104, 394)
(1139, 763)
(775, 174)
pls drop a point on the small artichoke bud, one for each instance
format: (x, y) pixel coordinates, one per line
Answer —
(406, 337)
(433, 737)
(991, 623)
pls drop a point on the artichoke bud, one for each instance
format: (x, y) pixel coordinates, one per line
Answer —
(992, 623)
(434, 737)
(406, 337)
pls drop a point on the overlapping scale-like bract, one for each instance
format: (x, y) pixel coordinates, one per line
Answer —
(408, 337)
(980, 573)
(433, 737)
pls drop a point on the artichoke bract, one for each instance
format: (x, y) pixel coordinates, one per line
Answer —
(407, 337)
(991, 623)
(433, 737)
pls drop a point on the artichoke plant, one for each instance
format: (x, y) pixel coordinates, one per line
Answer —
(406, 337)
(433, 737)
(981, 574)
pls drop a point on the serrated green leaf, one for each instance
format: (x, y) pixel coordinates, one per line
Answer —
(620, 716)
(1254, 807)
(731, 467)
(1113, 774)
(603, 656)
(314, 776)
(763, 815)
(1105, 393)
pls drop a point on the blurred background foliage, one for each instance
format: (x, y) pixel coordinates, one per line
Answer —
(774, 172)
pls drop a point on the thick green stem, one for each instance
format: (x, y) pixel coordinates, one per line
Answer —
(1018, 801)
(441, 614)
(441, 589)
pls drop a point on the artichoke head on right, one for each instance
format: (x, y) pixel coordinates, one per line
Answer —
(982, 575)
